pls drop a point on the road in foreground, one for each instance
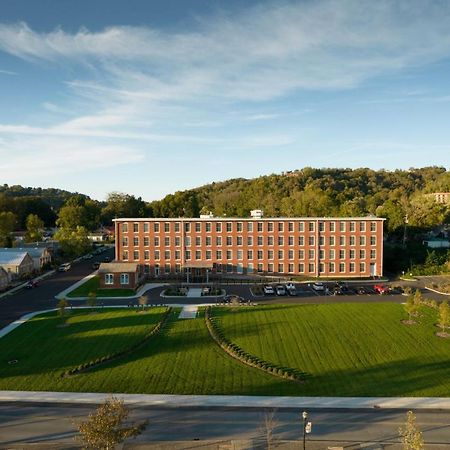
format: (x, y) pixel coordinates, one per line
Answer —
(53, 424)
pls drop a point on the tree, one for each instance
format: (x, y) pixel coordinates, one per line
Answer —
(105, 427)
(444, 315)
(7, 224)
(411, 436)
(62, 305)
(267, 428)
(73, 242)
(411, 307)
(92, 299)
(143, 301)
(35, 227)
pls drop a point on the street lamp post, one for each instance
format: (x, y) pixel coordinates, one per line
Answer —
(305, 418)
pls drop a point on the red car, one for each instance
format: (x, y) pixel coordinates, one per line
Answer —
(380, 289)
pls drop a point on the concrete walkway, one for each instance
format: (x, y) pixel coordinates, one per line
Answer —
(232, 401)
(188, 312)
(194, 293)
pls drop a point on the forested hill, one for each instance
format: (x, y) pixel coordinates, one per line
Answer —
(321, 192)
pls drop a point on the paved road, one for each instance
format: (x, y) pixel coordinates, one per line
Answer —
(50, 424)
(29, 300)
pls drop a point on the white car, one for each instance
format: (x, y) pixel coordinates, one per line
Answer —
(280, 290)
(318, 286)
(64, 267)
(268, 290)
(290, 286)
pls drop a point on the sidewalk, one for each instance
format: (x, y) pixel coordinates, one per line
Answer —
(232, 401)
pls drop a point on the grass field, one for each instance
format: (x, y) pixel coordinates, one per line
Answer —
(92, 285)
(348, 350)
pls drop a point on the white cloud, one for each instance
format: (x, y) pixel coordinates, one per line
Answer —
(7, 72)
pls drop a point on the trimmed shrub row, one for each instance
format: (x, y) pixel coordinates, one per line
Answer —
(250, 360)
(109, 357)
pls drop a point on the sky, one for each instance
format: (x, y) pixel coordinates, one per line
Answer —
(149, 97)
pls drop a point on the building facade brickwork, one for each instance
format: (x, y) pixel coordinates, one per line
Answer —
(312, 247)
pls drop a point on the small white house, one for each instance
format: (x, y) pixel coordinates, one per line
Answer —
(16, 264)
(40, 255)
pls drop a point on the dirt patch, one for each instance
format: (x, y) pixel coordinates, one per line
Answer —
(63, 325)
(444, 334)
(409, 322)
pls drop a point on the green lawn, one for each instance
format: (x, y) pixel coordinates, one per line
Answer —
(347, 349)
(92, 285)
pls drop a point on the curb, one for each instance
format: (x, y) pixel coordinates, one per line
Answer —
(435, 291)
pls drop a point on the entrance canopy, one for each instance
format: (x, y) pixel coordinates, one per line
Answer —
(198, 265)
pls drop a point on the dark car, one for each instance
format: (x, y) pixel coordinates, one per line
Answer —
(96, 265)
(361, 290)
(31, 284)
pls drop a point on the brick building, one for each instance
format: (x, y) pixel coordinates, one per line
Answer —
(208, 246)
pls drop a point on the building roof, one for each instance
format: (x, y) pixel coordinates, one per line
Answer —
(35, 252)
(240, 219)
(115, 267)
(12, 258)
(3, 273)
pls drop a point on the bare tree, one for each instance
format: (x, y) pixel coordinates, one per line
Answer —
(444, 315)
(105, 427)
(92, 299)
(62, 305)
(411, 436)
(267, 428)
(143, 301)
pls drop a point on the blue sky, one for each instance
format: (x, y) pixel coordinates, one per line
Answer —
(150, 97)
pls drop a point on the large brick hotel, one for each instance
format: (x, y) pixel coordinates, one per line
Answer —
(208, 246)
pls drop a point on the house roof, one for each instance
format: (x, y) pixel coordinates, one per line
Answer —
(3, 273)
(12, 258)
(33, 252)
(116, 267)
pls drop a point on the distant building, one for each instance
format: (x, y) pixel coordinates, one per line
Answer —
(4, 279)
(437, 243)
(300, 246)
(122, 275)
(440, 197)
(98, 237)
(16, 264)
(41, 255)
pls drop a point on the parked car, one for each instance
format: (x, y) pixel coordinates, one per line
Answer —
(361, 290)
(268, 289)
(106, 259)
(88, 256)
(381, 289)
(290, 285)
(96, 265)
(280, 290)
(291, 291)
(318, 286)
(31, 284)
(64, 267)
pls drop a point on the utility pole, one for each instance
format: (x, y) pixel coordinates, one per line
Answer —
(404, 230)
(305, 418)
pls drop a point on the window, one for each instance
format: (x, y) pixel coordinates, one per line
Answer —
(239, 240)
(187, 227)
(342, 226)
(219, 254)
(188, 254)
(301, 254)
(331, 267)
(291, 268)
(321, 267)
(352, 240)
(157, 255)
(218, 227)
(198, 241)
(332, 226)
(178, 268)
(291, 227)
(125, 228)
(373, 254)
(250, 268)
(311, 268)
(260, 226)
(260, 240)
(125, 241)
(352, 254)
(156, 227)
(229, 227)
(280, 226)
(362, 240)
(362, 267)
(230, 268)
(321, 240)
(311, 226)
(136, 255)
(198, 227)
(229, 254)
(240, 254)
(135, 227)
(166, 227)
(177, 241)
(167, 268)
(280, 254)
(156, 241)
(321, 254)
(332, 240)
(249, 254)
(341, 267)
(301, 240)
(373, 226)
(331, 254)
(260, 254)
(125, 255)
(187, 241)
(109, 278)
(270, 267)
(146, 241)
(239, 227)
(321, 226)
(311, 240)
(311, 254)
(177, 227)
(198, 255)
(373, 240)
(208, 227)
(352, 226)
(124, 278)
(229, 240)
(167, 241)
(301, 226)
(362, 226)
(167, 254)
(219, 241)
(269, 240)
(177, 254)
(301, 268)
(352, 267)
(291, 254)
(208, 241)
(208, 254)
(146, 255)
(342, 241)
(249, 240)
(341, 254)
(219, 268)
(362, 254)
(280, 268)
(270, 226)
(147, 269)
(270, 254)
(291, 240)
(146, 227)
(249, 227)
(280, 240)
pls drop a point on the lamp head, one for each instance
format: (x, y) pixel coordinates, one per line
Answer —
(304, 414)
